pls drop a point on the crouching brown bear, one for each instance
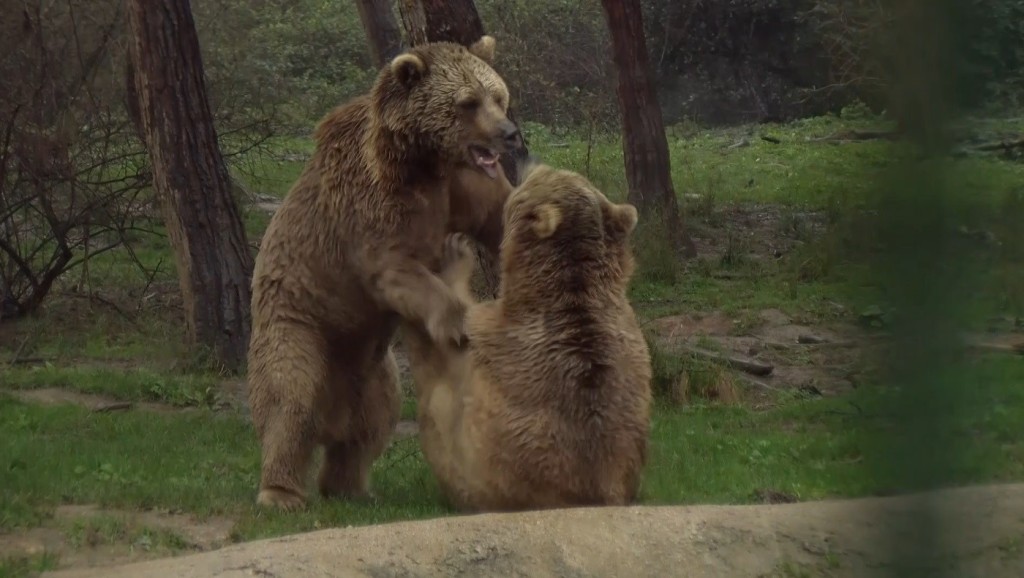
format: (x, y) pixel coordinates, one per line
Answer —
(355, 248)
(549, 405)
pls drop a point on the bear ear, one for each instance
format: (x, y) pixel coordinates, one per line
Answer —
(483, 48)
(546, 218)
(408, 69)
(620, 220)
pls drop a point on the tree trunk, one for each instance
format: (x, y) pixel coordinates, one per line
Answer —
(458, 21)
(382, 31)
(644, 144)
(190, 178)
(452, 21)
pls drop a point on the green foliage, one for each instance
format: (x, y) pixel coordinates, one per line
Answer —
(995, 53)
(982, 43)
(300, 57)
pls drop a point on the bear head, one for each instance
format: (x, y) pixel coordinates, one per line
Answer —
(445, 101)
(563, 236)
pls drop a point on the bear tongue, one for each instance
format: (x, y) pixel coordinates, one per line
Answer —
(488, 164)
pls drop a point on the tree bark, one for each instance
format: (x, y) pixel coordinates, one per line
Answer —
(382, 31)
(458, 21)
(644, 144)
(191, 180)
(452, 21)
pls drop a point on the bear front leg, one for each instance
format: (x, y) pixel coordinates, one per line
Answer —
(375, 412)
(457, 264)
(411, 290)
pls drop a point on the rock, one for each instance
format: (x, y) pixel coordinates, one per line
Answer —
(641, 541)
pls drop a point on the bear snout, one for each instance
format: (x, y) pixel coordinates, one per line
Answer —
(511, 137)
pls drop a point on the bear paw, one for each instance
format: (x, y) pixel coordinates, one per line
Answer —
(457, 248)
(457, 259)
(447, 324)
(280, 499)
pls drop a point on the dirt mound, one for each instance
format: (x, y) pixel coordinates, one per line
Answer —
(832, 538)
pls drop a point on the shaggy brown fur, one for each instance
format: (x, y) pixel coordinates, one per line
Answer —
(353, 250)
(477, 201)
(549, 406)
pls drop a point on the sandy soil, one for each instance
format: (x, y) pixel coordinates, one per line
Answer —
(984, 528)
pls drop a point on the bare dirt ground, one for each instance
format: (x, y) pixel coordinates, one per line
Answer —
(95, 402)
(983, 525)
(823, 359)
(85, 536)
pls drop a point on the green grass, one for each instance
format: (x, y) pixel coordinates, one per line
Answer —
(127, 344)
(128, 384)
(196, 462)
(208, 464)
(25, 567)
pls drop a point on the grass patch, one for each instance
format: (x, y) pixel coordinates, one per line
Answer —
(819, 448)
(27, 566)
(195, 462)
(701, 453)
(109, 529)
(129, 384)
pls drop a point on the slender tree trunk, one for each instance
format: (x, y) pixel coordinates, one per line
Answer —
(644, 144)
(190, 177)
(458, 21)
(382, 31)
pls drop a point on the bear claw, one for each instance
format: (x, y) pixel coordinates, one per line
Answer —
(456, 248)
(280, 499)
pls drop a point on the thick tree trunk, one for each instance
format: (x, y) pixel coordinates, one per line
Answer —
(644, 144)
(190, 177)
(382, 31)
(458, 21)
(452, 21)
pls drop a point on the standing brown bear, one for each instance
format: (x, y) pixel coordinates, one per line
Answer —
(549, 406)
(354, 249)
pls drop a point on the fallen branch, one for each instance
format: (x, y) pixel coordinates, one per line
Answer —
(743, 142)
(759, 383)
(1005, 145)
(115, 406)
(746, 364)
(27, 360)
(1012, 348)
(858, 135)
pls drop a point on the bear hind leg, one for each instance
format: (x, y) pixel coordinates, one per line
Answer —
(347, 462)
(286, 379)
(286, 455)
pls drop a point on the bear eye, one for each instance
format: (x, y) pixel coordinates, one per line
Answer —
(469, 103)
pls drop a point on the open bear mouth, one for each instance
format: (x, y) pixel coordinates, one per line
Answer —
(486, 159)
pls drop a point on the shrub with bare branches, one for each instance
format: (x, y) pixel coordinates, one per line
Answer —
(74, 176)
(71, 173)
